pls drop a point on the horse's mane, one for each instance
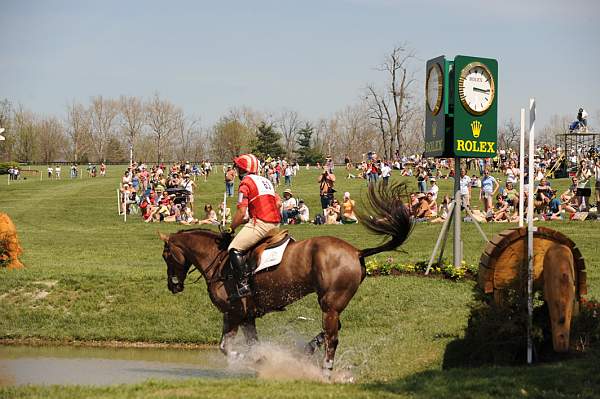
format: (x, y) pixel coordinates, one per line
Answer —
(222, 240)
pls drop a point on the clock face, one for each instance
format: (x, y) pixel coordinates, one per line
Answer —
(434, 88)
(476, 88)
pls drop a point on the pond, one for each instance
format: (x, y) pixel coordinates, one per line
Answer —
(68, 365)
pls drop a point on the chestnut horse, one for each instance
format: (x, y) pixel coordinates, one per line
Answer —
(329, 266)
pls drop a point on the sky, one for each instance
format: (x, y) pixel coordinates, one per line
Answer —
(315, 57)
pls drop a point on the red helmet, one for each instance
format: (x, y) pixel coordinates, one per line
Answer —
(247, 162)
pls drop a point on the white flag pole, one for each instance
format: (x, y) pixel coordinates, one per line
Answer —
(224, 206)
(530, 230)
(522, 169)
(118, 202)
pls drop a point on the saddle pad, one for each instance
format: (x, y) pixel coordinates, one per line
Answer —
(272, 256)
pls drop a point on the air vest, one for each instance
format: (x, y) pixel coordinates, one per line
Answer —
(258, 195)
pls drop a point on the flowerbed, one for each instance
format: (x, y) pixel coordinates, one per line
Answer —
(389, 266)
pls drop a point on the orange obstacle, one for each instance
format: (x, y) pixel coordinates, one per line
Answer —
(10, 250)
(559, 271)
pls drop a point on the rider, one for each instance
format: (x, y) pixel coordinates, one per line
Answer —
(258, 200)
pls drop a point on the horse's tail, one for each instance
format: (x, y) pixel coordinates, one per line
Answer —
(386, 214)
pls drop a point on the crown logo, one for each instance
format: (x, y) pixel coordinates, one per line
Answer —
(476, 128)
(434, 129)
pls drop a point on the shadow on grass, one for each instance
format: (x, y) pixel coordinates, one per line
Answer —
(574, 377)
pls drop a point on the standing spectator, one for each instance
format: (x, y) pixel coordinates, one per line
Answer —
(50, 171)
(584, 174)
(102, 169)
(57, 171)
(465, 188)
(386, 171)
(207, 169)
(288, 173)
(512, 172)
(597, 183)
(229, 178)
(189, 185)
(326, 181)
(489, 186)
(421, 179)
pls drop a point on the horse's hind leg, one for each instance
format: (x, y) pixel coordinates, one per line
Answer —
(331, 325)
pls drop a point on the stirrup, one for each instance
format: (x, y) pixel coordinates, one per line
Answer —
(242, 290)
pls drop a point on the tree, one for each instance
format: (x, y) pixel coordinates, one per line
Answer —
(229, 138)
(51, 139)
(267, 142)
(79, 130)
(508, 135)
(162, 116)
(25, 135)
(390, 108)
(187, 132)
(132, 118)
(289, 122)
(103, 115)
(307, 153)
(7, 146)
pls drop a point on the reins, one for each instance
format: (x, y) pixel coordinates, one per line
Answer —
(209, 269)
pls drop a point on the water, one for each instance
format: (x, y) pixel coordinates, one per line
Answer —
(20, 365)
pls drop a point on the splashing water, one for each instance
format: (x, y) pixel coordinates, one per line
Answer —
(273, 362)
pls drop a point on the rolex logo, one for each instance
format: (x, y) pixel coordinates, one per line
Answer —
(476, 128)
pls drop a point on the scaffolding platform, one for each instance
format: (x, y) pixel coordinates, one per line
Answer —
(579, 144)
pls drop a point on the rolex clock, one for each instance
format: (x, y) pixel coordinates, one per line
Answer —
(476, 88)
(434, 88)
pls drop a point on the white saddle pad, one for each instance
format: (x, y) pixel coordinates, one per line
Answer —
(272, 256)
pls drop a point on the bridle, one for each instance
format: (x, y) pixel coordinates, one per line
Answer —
(210, 272)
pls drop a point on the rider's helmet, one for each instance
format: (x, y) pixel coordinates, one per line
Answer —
(247, 163)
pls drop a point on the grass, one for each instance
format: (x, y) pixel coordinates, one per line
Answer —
(90, 276)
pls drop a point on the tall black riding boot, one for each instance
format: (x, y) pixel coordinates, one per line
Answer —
(241, 273)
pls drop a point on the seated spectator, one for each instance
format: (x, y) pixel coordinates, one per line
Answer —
(443, 210)
(336, 210)
(303, 212)
(224, 214)
(432, 204)
(554, 208)
(331, 216)
(434, 189)
(348, 206)
(210, 216)
(423, 211)
(502, 210)
(543, 195)
(510, 194)
(289, 207)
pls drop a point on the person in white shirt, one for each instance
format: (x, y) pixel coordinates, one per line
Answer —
(50, 171)
(434, 188)
(289, 206)
(386, 171)
(303, 212)
(57, 172)
(465, 188)
(188, 185)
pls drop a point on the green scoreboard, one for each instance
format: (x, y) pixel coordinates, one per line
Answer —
(461, 112)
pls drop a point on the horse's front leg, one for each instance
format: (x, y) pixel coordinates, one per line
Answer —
(249, 329)
(230, 329)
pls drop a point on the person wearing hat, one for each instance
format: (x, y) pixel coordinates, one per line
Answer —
(189, 185)
(258, 199)
(289, 206)
(229, 178)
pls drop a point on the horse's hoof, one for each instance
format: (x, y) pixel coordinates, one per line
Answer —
(235, 356)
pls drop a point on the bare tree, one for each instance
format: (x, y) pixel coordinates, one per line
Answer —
(290, 124)
(7, 146)
(559, 124)
(229, 138)
(389, 108)
(51, 139)
(103, 113)
(25, 135)
(79, 130)
(132, 118)
(161, 116)
(187, 132)
(508, 135)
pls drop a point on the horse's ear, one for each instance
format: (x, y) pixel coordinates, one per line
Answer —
(163, 237)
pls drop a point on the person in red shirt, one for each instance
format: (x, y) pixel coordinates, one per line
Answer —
(259, 204)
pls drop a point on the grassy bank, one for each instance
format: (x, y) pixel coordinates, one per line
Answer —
(90, 276)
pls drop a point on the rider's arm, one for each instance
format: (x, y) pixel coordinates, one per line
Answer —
(239, 216)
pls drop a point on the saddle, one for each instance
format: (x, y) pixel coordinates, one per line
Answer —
(268, 252)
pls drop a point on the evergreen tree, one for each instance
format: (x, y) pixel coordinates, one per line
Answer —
(267, 142)
(306, 152)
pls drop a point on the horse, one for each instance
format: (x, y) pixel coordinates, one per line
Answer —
(328, 266)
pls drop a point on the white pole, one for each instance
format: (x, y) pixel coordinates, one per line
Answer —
(40, 175)
(522, 170)
(8, 180)
(224, 206)
(530, 230)
(118, 202)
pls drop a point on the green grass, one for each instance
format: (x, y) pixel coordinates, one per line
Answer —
(90, 276)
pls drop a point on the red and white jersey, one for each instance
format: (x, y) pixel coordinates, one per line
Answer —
(258, 195)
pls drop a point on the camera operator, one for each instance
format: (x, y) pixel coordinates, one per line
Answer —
(326, 181)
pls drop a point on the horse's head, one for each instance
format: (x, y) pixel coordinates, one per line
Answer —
(177, 265)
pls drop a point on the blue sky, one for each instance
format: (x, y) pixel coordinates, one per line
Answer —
(311, 56)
